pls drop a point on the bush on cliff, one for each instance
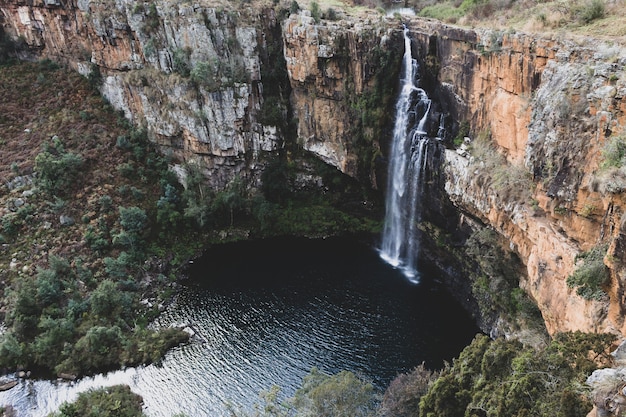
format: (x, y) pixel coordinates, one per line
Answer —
(57, 169)
(592, 275)
(115, 401)
(504, 378)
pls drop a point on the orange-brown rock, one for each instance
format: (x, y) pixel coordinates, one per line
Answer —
(549, 108)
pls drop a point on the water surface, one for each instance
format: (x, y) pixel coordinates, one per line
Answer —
(265, 313)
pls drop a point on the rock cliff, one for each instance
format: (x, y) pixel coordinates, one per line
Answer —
(226, 88)
(210, 82)
(551, 110)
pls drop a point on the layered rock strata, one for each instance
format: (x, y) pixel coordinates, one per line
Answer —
(550, 108)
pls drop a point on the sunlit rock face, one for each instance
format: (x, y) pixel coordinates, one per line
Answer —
(199, 77)
(550, 107)
(329, 64)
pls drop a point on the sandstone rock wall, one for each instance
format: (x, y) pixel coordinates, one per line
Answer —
(549, 107)
(329, 66)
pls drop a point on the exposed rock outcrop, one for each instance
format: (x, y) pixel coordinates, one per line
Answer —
(550, 108)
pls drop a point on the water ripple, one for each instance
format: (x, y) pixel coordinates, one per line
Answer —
(266, 322)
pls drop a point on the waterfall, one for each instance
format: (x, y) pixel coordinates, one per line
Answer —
(407, 165)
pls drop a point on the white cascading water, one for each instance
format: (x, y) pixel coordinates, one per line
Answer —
(407, 166)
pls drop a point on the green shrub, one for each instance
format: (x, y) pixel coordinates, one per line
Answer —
(49, 286)
(11, 224)
(196, 197)
(342, 394)
(152, 21)
(168, 214)
(331, 14)
(316, 13)
(99, 348)
(51, 282)
(122, 142)
(494, 289)
(48, 347)
(504, 378)
(614, 153)
(57, 170)
(115, 401)
(127, 169)
(180, 61)
(105, 203)
(134, 222)
(11, 351)
(133, 219)
(592, 10)
(590, 278)
(294, 7)
(206, 74)
(26, 310)
(147, 346)
(464, 130)
(119, 268)
(97, 240)
(108, 303)
(230, 201)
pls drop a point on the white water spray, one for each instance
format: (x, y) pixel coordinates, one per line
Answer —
(407, 164)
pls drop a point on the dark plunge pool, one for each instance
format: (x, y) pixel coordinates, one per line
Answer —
(267, 312)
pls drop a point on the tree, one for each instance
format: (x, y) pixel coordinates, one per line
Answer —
(115, 401)
(231, 200)
(107, 302)
(315, 11)
(133, 219)
(98, 349)
(57, 170)
(50, 342)
(403, 394)
(339, 395)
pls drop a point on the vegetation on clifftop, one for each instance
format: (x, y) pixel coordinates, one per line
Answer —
(591, 17)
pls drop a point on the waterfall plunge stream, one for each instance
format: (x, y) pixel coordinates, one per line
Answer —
(407, 165)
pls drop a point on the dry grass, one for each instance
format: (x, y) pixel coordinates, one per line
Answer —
(556, 18)
(511, 182)
(39, 102)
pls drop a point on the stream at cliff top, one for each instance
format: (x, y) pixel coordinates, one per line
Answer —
(267, 312)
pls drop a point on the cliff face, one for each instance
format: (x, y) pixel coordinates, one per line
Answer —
(210, 84)
(550, 109)
(227, 88)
